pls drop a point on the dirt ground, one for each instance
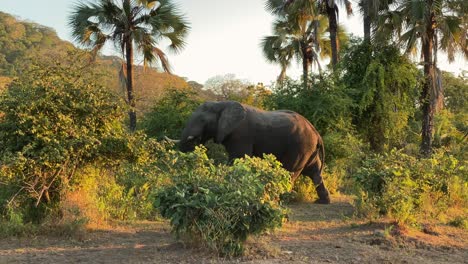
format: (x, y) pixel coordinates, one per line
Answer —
(314, 234)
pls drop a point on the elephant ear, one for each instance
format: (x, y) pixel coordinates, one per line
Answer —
(229, 120)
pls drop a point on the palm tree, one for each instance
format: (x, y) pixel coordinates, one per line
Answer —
(306, 42)
(330, 8)
(431, 25)
(370, 11)
(292, 40)
(299, 33)
(276, 52)
(131, 27)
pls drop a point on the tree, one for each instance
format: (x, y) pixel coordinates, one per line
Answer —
(430, 25)
(298, 33)
(292, 40)
(131, 27)
(455, 93)
(383, 86)
(295, 35)
(227, 87)
(330, 7)
(370, 12)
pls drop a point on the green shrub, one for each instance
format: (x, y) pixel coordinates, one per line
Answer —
(303, 190)
(216, 152)
(169, 115)
(220, 206)
(55, 119)
(12, 224)
(405, 187)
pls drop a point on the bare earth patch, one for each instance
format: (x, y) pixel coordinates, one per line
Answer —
(314, 234)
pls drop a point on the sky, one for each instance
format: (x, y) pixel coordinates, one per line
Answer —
(224, 38)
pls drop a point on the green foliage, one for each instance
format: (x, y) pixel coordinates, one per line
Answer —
(216, 152)
(22, 40)
(220, 206)
(55, 119)
(405, 187)
(137, 181)
(450, 130)
(304, 190)
(12, 224)
(451, 123)
(169, 114)
(325, 104)
(113, 194)
(455, 92)
(383, 86)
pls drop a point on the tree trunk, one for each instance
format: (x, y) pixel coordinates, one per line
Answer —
(333, 26)
(438, 98)
(367, 20)
(130, 92)
(281, 76)
(305, 66)
(429, 85)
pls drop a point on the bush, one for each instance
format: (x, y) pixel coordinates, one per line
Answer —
(220, 206)
(304, 190)
(405, 187)
(55, 120)
(169, 115)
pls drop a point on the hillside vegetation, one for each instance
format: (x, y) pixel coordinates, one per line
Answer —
(22, 43)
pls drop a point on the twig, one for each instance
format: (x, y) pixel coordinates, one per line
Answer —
(44, 188)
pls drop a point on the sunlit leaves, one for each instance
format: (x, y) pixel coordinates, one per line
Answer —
(220, 206)
(55, 120)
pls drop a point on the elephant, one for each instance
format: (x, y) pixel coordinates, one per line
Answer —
(246, 130)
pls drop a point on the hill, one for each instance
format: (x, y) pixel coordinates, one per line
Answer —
(22, 42)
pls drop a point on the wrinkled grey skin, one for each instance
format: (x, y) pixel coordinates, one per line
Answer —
(244, 129)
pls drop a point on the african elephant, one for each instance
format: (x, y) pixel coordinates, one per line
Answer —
(244, 129)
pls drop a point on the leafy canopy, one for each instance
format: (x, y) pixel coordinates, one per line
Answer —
(124, 22)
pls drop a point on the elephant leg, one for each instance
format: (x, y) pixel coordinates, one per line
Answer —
(238, 150)
(313, 172)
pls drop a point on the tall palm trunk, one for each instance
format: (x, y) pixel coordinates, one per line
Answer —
(333, 26)
(130, 93)
(282, 75)
(367, 20)
(305, 66)
(429, 84)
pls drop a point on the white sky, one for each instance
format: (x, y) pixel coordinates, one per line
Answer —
(224, 38)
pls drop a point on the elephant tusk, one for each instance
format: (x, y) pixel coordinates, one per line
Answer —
(171, 140)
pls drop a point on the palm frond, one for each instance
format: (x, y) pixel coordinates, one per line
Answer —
(162, 59)
(452, 37)
(276, 7)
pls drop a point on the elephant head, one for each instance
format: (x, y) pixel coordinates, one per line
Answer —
(211, 120)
